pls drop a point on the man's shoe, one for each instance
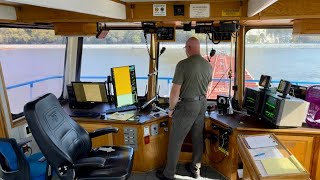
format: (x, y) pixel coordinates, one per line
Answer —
(161, 176)
(194, 174)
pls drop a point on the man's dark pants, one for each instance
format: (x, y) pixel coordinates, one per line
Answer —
(189, 115)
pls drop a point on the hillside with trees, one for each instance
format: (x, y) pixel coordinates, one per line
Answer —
(255, 36)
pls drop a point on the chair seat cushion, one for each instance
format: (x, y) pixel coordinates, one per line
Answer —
(118, 164)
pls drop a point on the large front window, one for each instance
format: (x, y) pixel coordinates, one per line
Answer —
(120, 48)
(32, 64)
(221, 62)
(128, 47)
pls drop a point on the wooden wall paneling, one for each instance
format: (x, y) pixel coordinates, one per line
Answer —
(306, 26)
(240, 64)
(155, 153)
(3, 122)
(75, 29)
(104, 140)
(152, 89)
(221, 162)
(301, 147)
(218, 11)
(3, 128)
(293, 9)
(315, 168)
(118, 140)
(31, 14)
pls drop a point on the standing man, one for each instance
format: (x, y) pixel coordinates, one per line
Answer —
(190, 83)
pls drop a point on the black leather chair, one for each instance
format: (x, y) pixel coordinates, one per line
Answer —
(67, 146)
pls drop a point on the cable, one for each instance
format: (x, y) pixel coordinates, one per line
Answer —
(218, 82)
(145, 37)
(207, 49)
(215, 39)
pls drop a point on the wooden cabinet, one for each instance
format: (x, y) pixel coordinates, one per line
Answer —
(104, 140)
(300, 147)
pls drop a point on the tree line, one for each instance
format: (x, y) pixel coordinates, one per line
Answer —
(39, 36)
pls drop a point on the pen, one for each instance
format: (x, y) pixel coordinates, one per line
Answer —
(260, 154)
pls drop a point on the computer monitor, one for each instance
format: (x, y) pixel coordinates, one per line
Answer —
(265, 81)
(283, 111)
(254, 99)
(284, 88)
(124, 85)
(90, 91)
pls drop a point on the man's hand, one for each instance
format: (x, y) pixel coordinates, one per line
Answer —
(170, 113)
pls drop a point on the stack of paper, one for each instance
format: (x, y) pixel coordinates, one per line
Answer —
(275, 166)
(260, 141)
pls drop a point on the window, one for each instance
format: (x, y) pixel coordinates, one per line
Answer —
(32, 63)
(278, 53)
(174, 53)
(120, 48)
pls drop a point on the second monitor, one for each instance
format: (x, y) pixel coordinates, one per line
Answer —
(124, 85)
(90, 92)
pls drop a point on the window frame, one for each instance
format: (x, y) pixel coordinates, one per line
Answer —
(247, 29)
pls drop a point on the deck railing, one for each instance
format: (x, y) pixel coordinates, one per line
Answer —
(167, 79)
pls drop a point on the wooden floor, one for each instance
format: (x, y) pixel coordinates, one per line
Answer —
(207, 173)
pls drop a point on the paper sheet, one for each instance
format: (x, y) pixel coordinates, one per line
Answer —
(240, 173)
(260, 141)
(275, 166)
(261, 169)
(296, 163)
(268, 152)
(120, 116)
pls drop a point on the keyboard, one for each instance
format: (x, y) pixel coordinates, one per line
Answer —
(85, 114)
(121, 109)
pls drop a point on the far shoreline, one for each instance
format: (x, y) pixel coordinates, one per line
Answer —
(142, 46)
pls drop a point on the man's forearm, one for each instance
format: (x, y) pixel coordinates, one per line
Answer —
(173, 102)
(174, 96)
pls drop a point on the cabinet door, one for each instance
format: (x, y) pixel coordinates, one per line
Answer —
(104, 140)
(300, 147)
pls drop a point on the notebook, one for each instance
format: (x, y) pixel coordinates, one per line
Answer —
(276, 166)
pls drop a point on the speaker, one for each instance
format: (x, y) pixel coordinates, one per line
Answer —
(222, 104)
(71, 97)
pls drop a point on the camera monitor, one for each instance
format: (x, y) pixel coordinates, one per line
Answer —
(90, 91)
(265, 81)
(124, 85)
(284, 88)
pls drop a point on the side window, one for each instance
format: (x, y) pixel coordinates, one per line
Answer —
(32, 63)
(278, 53)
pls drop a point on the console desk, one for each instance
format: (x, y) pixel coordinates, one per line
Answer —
(302, 142)
(150, 150)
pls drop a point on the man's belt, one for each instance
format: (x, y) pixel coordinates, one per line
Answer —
(198, 98)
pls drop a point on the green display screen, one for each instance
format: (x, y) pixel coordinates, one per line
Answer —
(270, 107)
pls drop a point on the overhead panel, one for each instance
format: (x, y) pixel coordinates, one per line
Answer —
(256, 6)
(8, 13)
(104, 8)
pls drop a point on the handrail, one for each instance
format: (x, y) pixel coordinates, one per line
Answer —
(30, 83)
(33, 82)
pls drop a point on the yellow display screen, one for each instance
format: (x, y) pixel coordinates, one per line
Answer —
(124, 85)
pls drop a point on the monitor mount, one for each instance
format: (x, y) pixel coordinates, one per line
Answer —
(153, 105)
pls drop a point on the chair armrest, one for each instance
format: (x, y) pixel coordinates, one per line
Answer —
(23, 142)
(90, 162)
(103, 131)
